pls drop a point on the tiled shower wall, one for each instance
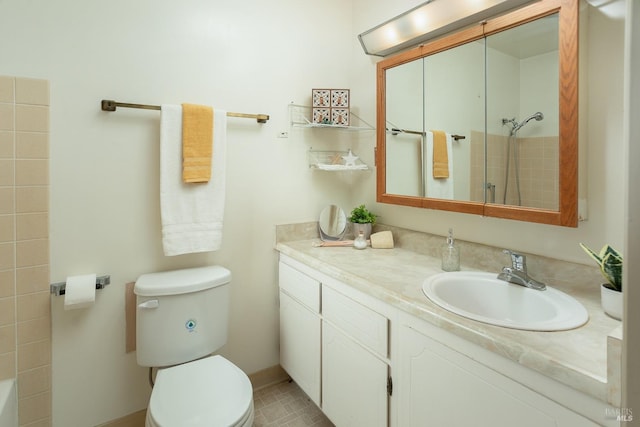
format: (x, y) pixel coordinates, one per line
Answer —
(539, 170)
(25, 320)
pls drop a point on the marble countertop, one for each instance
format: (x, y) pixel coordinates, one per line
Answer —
(577, 357)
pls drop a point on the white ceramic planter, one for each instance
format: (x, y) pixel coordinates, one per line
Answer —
(611, 302)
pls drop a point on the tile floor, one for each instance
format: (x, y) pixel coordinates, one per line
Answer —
(285, 405)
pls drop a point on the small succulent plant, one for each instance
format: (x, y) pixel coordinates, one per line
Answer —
(610, 262)
(361, 215)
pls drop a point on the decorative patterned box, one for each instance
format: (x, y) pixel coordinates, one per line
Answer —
(340, 98)
(340, 116)
(321, 98)
(330, 106)
(321, 115)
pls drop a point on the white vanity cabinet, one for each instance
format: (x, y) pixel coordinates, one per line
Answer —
(336, 349)
(343, 345)
(440, 386)
(300, 327)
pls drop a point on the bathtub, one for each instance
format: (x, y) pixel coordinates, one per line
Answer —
(8, 404)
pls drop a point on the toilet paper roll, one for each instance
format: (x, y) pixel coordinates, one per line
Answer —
(80, 291)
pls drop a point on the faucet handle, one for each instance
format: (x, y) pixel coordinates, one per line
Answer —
(518, 261)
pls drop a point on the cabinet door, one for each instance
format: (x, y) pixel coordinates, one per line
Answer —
(300, 345)
(441, 387)
(354, 382)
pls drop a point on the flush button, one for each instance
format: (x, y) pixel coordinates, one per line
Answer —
(190, 325)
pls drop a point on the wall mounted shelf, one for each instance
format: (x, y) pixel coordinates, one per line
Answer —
(336, 161)
(301, 116)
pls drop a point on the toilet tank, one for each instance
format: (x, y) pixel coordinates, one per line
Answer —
(181, 315)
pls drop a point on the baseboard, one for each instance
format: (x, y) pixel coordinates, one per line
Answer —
(268, 376)
(132, 420)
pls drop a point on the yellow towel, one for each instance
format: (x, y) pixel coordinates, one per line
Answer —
(197, 143)
(440, 155)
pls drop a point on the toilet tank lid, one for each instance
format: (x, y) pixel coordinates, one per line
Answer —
(181, 281)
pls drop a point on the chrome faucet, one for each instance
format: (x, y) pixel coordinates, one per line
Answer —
(517, 273)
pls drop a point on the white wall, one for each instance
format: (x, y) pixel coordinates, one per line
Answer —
(245, 56)
(538, 92)
(503, 85)
(404, 101)
(253, 56)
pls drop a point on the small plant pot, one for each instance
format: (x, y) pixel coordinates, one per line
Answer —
(611, 302)
(366, 229)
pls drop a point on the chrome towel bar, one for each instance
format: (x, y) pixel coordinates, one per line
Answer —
(395, 131)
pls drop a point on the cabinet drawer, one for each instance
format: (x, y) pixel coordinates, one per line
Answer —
(300, 286)
(363, 324)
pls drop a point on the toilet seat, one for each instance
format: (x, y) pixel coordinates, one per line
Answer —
(204, 393)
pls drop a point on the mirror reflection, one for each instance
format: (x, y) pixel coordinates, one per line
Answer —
(439, 93)
(505, 95)
(502, 90)
(332, 223)
(522, 116)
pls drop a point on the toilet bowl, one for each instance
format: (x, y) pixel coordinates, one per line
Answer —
(209, 392)
(181, 319)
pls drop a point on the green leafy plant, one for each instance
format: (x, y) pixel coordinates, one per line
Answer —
(361, 215)
(610, 262)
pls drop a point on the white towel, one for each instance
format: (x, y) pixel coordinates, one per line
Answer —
(441, 188)
(191, 214)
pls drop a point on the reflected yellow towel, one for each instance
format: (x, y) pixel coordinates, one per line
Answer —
(440, 155)
(197, 143)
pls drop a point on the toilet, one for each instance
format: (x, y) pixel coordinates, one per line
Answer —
(182, 318)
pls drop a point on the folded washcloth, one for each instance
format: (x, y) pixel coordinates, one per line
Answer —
(197, 144)
(191, 215)
(440, 155)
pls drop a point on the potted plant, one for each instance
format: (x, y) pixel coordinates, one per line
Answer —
(362, 220)
(610, 262)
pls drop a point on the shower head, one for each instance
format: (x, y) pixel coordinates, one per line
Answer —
(538, 116)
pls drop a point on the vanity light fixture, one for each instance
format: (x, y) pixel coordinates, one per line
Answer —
(431, 19)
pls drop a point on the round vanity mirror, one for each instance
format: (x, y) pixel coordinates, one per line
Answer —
(333, 223)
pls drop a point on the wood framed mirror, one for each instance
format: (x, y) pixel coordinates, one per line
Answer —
(505, 95)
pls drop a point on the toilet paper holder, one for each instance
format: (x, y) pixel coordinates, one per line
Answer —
(59, 288)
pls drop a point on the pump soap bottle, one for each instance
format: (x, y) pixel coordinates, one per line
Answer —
(360, 242)
(450, 254)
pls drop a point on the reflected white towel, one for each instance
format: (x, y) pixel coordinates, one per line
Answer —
(192, 214)
(438, 188)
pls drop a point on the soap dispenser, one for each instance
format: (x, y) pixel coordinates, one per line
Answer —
(450, 254)
(360, 242)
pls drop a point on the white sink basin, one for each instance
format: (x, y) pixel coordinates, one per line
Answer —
(481, 296)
